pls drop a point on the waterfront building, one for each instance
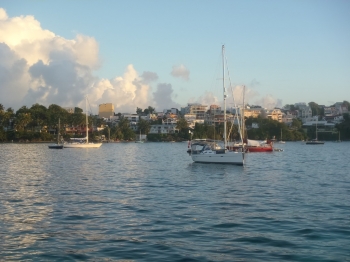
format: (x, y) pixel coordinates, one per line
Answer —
(106, 110)
(252, 111)
(168, 126)
(195, 108)
(149, 117)
(214, 110)
(133, 120)
(304, 112)
(322, 125)
(275, 114)
(287, 118)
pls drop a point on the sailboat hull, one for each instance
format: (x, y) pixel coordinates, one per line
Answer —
(233, 158)
(56, 146)
(82, 145)
(314, 143)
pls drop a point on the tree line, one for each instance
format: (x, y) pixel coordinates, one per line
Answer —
(39, 123)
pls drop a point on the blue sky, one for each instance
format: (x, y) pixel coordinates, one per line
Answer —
(284, 52)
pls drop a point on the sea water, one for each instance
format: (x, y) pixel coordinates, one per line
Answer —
(150, 202)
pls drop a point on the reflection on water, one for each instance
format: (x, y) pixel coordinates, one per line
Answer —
(150, 202)
(24, 195)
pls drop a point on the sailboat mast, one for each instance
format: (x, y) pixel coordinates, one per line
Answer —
(58, 132)
(224, 89)
(316, 128)
(242, 118)
(87, 124)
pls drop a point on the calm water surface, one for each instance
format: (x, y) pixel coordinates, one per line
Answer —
(149, 202)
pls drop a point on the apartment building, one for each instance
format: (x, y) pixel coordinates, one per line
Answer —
(106, 110)
(194, 108)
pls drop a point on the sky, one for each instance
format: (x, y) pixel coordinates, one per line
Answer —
(165, 54)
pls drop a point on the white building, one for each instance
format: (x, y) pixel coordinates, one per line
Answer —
(133, 118)
(149, 117)
(167, 127)
(287, 118)
(194, 108)
(304, 112)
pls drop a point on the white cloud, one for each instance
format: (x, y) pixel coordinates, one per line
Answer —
(3, 15)
(240, 93)
(208, 98)
(149, 77)
(269, 102)
(181, 71)
(126, 92)
(38, 66)
(163, 97)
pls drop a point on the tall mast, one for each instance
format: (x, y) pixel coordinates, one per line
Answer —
(242, 119)
(224, 89)
(58, 132)
(316, 127)
(87, 124)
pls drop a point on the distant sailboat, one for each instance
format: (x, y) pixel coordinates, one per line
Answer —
(58, 145)
(281, 141)
(82, 142)
(140, 140)
(315, 141)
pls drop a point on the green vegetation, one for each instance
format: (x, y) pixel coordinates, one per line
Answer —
(269, 129)
(39, 123)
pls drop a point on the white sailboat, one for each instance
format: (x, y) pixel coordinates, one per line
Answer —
(208, 151)
(281, 141)
(82, 142)
(58, 145)
(315, 141)
(140, 140)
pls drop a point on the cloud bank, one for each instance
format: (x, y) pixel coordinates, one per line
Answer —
(250, 96)
(38, 66)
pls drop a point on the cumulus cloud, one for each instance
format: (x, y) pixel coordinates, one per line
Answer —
(180, 71)
(250, 96)
(163, 97)
(14, 77)
(3, 15)
(269, 102)
(126, 92)
(149, 77)
(37, 66)
(240, 93)
(208, 98)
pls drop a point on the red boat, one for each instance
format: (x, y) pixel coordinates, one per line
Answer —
(253, 146)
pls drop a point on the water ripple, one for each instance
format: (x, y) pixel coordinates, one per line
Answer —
(149, 202)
